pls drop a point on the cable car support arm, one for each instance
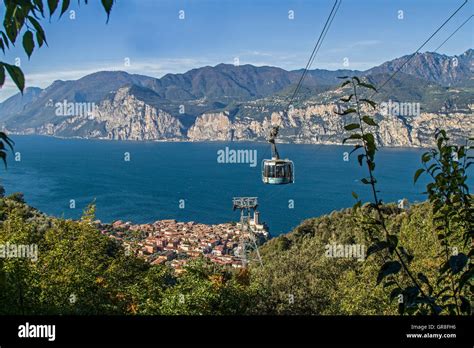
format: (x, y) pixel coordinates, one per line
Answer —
(271, 140)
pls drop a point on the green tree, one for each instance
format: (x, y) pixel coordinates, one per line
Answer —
(385, 243)
(453, 220)
(23, 19)
(206, 289)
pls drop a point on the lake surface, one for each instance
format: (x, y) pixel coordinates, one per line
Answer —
(158, 176)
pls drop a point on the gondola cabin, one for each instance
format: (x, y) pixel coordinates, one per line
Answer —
(277, 171)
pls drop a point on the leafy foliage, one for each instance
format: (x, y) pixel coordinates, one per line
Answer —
(384, 242)
(21, 14)
(22, 19)
(81, 271)
(453, 218)
(300, 279)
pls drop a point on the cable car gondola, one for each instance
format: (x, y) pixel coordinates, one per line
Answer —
(276, 171)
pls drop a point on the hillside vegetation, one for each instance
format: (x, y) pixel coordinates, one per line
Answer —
(80, 271)
(296, 266)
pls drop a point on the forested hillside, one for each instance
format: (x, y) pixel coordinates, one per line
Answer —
(80, 271)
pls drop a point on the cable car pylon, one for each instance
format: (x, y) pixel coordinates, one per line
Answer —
(248, 248)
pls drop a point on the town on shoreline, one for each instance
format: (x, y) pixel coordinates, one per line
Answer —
(175, 243)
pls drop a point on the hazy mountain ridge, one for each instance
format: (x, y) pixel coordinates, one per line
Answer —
(228, 102)
(433, 67)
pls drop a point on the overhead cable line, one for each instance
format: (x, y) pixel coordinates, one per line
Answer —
(422, 45)
(454, 32)
(326, 27)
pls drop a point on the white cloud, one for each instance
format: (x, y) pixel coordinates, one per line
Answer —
(154, 68)
(159, 67)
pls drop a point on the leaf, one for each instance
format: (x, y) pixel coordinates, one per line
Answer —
(401, 308)
(443, 133)
(392, 241)
(389, 283)
(426, 157)
(345, 83)
(6, 139)
(3, 156)
(410, 295)
(369, 138)
(2, 75)
(39, 6)
(107, 4)
(367, 85)
(371, 165)
(351, 126)
(444, 268)
(378, 246)
(423, 279)
(5, 39)
(353, 136)
(343, 77)
(17, 76)
(28, 43)
(369, 120)
(355, 195)
(388, 268)
(405, 254)
(40, 35)
(11, 31)
(394, 293)
(64, 7)
(347, 111)
(466, 277)
(52, 5)
(440, 143)
(465, 305)
(370, 102)
(417, 174)
(457, 262)
(346, 99)
(356, 147)
(446, 298)
(432, 168)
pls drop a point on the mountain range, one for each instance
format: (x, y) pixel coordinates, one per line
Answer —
(228, 102)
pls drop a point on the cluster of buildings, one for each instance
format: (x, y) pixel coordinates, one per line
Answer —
(175, 243)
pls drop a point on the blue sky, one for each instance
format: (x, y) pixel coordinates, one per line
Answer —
(150, 34)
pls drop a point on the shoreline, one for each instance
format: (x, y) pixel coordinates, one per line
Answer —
(184, 141)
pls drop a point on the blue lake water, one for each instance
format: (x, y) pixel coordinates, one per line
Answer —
(150, 186)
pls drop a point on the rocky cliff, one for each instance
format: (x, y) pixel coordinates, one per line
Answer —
(319, 124)
(121, 117)
(237, 103)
